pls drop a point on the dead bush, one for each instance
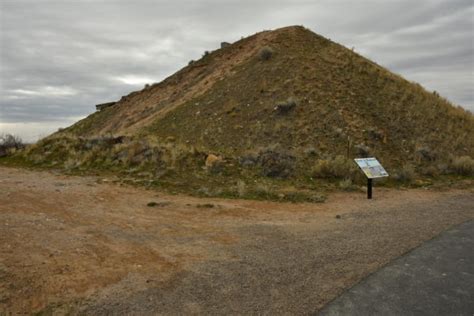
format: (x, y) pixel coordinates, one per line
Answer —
(276, 164)
(9, 143)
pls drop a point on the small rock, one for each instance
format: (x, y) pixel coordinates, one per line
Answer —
(338, 216)
(212, 160)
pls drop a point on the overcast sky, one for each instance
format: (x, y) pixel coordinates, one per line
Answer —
(60, 58)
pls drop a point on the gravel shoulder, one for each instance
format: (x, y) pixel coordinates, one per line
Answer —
(72, 244)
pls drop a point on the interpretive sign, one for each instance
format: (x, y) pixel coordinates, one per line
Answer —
(371, 167)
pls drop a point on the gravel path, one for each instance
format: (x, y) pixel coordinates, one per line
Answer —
(71, 244)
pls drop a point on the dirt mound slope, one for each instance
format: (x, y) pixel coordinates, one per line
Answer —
(233, 100)
(286, 104)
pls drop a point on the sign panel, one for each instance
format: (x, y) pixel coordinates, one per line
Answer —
(371, 167)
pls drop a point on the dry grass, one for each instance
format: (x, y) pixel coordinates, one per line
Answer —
(241, 188)
(463, 165)
(405, 174)
(339, 168)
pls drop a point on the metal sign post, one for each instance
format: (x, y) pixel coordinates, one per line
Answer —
(372, 170)
(369, 188)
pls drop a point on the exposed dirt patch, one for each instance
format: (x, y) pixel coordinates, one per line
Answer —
(71, 244)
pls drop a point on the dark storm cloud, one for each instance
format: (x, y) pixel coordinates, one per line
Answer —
(60, 58)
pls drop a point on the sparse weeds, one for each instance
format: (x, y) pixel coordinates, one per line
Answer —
(301, 196)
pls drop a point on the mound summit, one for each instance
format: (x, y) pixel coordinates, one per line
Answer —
(280, 103)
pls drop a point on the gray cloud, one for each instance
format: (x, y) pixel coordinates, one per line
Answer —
(60, 58)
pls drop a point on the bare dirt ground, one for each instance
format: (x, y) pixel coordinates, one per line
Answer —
(73, 245)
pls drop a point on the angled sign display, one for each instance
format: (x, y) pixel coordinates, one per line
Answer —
(371, 167)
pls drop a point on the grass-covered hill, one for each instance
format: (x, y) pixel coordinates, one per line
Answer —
(285, 104)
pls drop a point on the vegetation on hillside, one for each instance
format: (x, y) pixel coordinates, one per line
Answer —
(278, 115)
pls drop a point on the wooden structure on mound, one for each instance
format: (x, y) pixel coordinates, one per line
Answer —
(100, 107)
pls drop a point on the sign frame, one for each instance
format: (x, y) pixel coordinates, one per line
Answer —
(372, 169)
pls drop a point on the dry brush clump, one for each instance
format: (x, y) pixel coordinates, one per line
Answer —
(463, 165)
(265, 53)
(276, 163)
(404, 174)
(347, 185)
(9, 143)
(338, 168)
(109, 152)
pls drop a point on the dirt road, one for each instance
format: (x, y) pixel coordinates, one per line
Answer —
(70, 244)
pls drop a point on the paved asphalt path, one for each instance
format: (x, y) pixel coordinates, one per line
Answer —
(436, 278)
